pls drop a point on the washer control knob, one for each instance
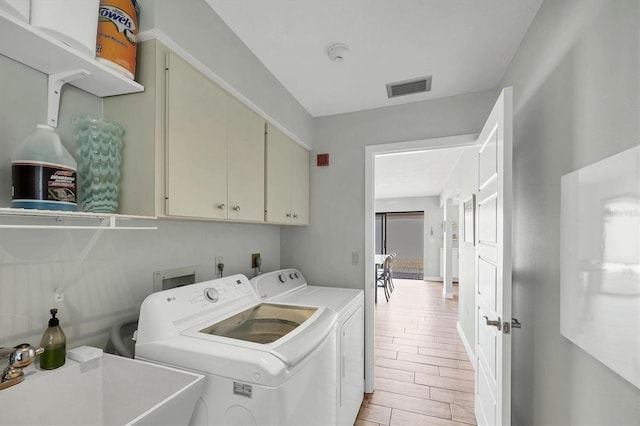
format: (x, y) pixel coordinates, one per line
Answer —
(292, 276)
(211, 294)
(296, 275)
(282, 278)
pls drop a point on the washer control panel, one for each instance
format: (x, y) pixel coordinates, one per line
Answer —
(166, 312)
(274, 283)
(211, 294)
(202, 296)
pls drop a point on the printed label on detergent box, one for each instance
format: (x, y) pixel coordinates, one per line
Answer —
(121, 19)
(118, 35)
(43, 181)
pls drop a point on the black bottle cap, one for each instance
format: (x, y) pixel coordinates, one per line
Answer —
(53, 322)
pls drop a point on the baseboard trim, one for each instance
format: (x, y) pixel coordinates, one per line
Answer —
(467, 346)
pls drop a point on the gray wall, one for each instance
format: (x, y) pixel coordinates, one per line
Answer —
(405, 236)
(322, 250)
(117, 274)
(575, 80)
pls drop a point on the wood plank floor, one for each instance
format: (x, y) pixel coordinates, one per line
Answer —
(423, 374)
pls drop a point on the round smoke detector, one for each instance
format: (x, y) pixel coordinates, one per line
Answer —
(338, 52)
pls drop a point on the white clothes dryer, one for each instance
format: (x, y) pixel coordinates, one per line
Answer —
(289, 286)
(265, 363)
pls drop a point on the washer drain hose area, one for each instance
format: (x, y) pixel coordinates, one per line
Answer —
(115, 336)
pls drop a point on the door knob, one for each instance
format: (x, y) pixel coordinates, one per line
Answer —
(495, 323)
(236, 208)
(515, 323)
(221, 206)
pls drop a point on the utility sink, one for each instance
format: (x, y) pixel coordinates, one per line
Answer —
(102, 389)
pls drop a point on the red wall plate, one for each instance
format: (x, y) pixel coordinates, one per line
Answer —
(322, 160)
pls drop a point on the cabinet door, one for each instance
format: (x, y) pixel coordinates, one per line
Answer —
(278, 177)
(299, 184)
(196, 178)
(245, 163)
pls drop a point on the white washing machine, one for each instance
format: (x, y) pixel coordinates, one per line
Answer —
(289, 286)
(265, 363)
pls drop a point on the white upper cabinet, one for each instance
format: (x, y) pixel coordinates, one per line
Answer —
(196, 145)
(191, 150)
(287, 180)
(299, 185)
(245, 159)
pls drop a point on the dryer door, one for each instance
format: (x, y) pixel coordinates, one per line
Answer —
(351, 367)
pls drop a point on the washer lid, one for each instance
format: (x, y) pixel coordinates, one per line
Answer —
(263, 323)
(289, 344)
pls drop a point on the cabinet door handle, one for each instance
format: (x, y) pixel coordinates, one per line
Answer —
(222, 206)
(236, 208)
(295, 215)
(288, 214)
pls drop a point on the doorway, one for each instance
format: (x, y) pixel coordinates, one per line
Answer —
(371, 152)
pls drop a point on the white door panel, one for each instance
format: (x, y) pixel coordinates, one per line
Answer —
(488, 345)
(488, 220)
(493, 266)
(487, 282)
(488, 158)
(487, 413)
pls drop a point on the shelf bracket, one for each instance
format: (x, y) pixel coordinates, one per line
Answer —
(56, 81)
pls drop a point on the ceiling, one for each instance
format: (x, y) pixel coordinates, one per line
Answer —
(414, 174)
(466, 45)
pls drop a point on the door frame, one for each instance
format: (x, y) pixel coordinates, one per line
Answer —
(371, 151)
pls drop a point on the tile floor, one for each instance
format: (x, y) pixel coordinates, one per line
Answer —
(423, 374)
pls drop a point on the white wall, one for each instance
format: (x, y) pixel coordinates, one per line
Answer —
(197, 29)
(463, 182)
(433, 215)
(117, 274)
(322, 250)
(576, 96)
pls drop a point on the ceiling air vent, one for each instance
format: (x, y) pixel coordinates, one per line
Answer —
(409, 87)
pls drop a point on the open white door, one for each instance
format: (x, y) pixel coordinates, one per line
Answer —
(493, 266)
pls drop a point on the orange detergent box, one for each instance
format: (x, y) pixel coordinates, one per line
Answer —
(117, 35)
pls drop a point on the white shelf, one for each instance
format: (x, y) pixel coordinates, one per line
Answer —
(36, 49)
(60, 218)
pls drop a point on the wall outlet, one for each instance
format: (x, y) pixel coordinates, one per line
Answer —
(218, 261)
(255, 260)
